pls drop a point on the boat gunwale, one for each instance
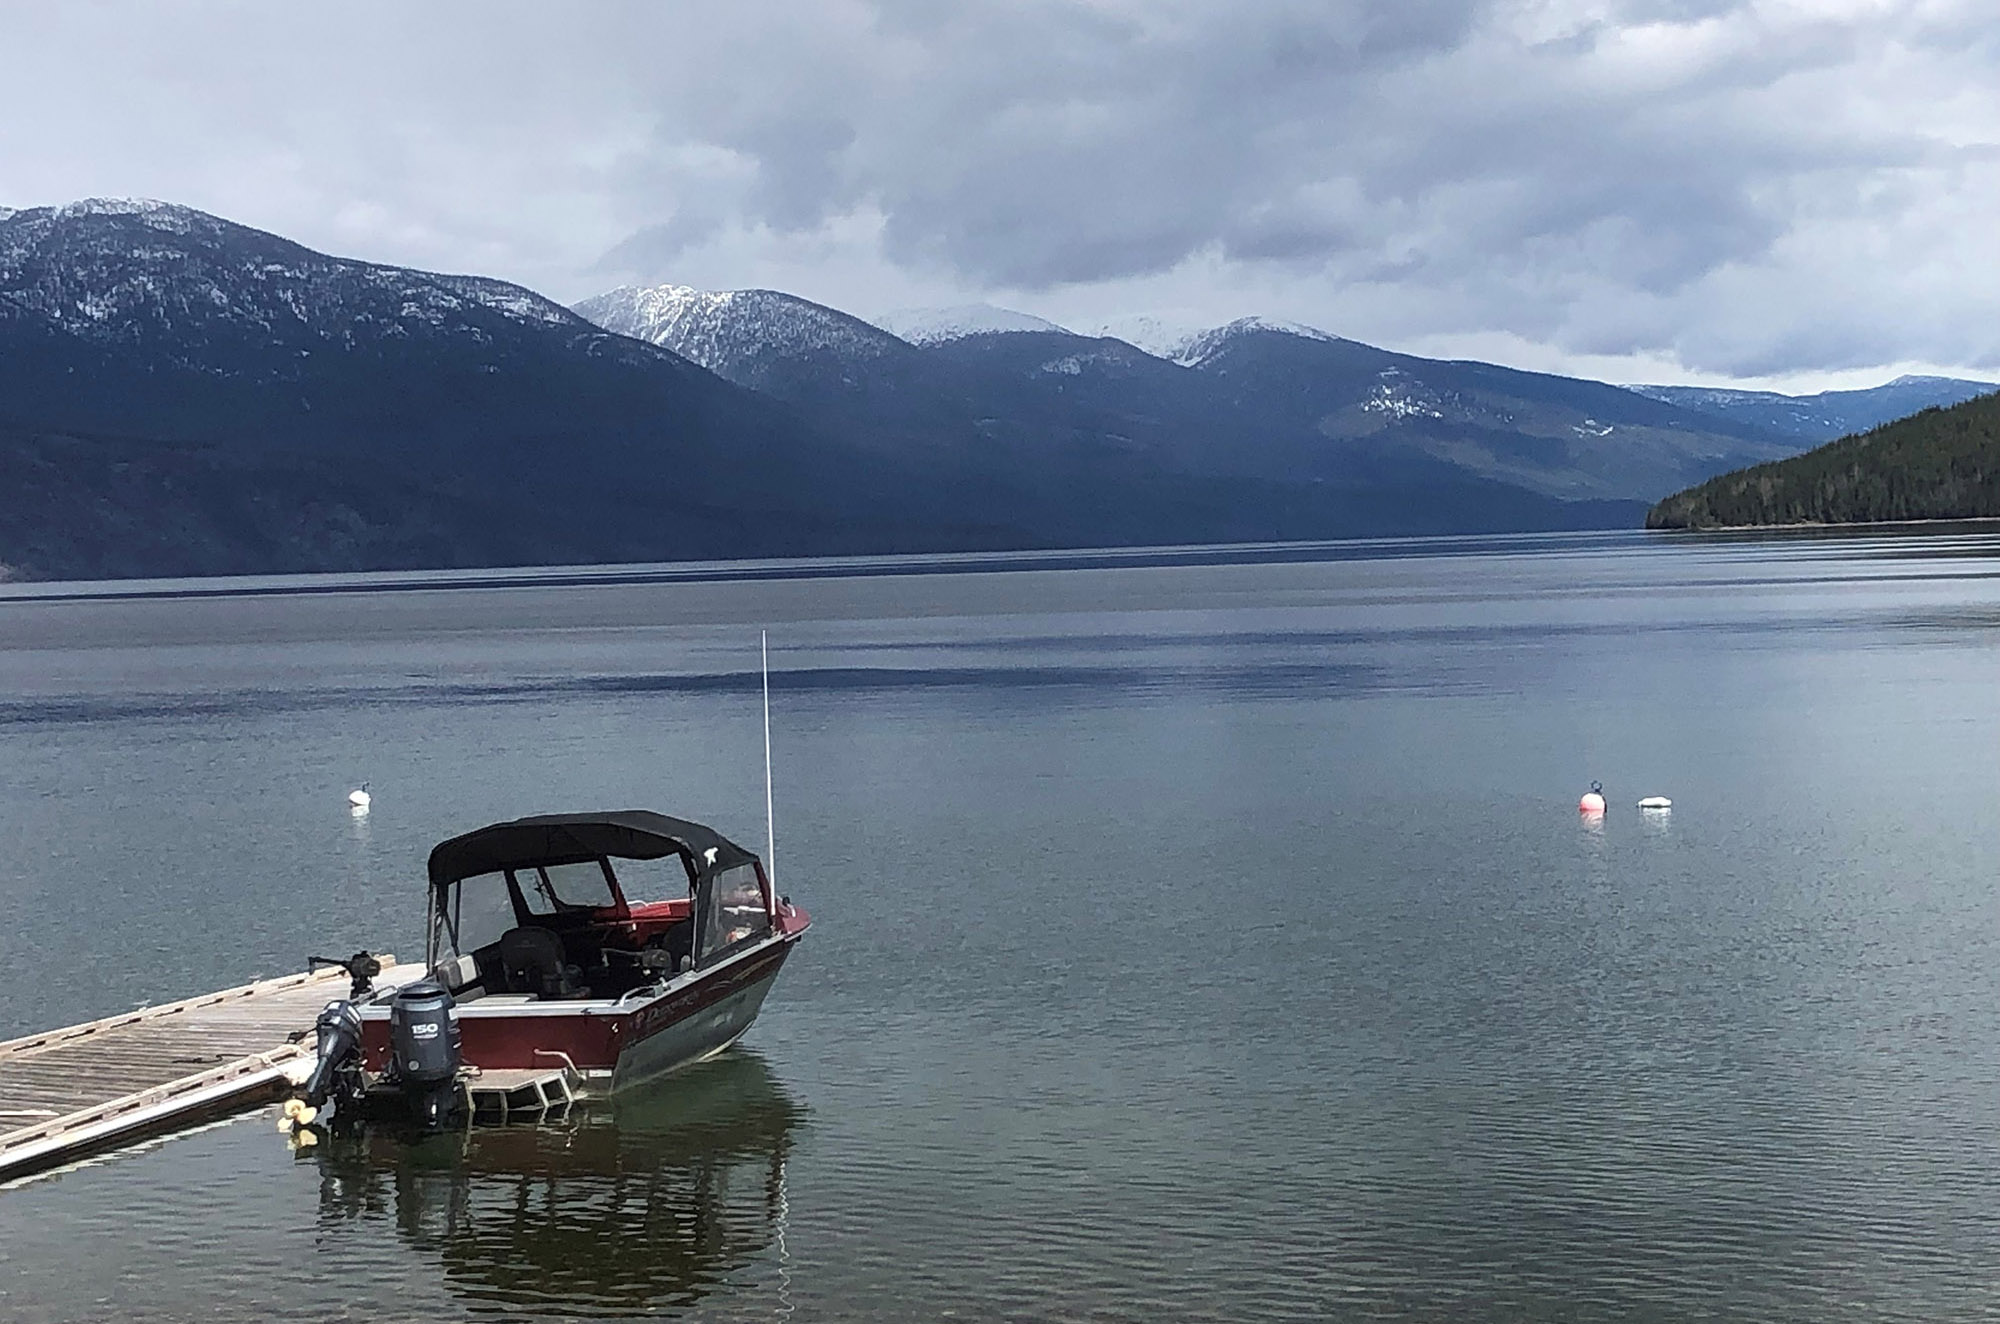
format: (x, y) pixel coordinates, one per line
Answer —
(377, 1009)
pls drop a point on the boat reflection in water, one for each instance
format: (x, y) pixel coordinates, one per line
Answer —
(648, 1199)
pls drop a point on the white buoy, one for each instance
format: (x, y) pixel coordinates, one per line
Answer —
(1656, 802)
(360, 799)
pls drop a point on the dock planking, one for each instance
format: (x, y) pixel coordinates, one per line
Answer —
(83, 1089)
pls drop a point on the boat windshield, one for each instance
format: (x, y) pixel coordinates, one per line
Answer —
(558, 887)
(647, 881)
(482, 908)
(733, 910)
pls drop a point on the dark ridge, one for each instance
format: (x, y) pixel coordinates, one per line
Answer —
(1941, 464)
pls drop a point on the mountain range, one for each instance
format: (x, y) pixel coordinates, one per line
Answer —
(1255, 399)
(1827, 415)
(183, 395)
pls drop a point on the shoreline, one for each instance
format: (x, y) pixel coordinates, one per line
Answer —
(1982, 520)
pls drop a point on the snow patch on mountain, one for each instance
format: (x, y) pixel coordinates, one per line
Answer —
(1199, 348)
(1110, 355)
(736, 333)
(1401, 401)
(169, 217)
(521, 304)
(1710, 397)
(119, 207)
(929, 326)
(1162, 337)
(1944, 383)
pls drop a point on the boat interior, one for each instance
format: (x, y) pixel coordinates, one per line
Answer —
(539, 963)
(577, 930)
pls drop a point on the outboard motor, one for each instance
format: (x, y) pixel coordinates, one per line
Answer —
(424, 1050)
(337, 1072)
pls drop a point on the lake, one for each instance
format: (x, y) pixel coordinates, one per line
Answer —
(1198, 935)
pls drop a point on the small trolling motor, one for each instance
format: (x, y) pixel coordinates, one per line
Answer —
(336, 1074)
(361, 968)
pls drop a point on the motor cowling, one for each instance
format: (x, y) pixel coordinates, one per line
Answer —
(424, 1051)
(423, 1035)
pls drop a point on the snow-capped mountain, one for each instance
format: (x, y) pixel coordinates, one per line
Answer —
(746, 336)
(181, 394)
(1162, 337)
(1194, 350)
(1828, 414)
(137, 273)
(1256, 397)
(929, 326)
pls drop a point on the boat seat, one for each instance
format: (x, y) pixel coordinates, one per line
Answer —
(531, 961)
(460, 977)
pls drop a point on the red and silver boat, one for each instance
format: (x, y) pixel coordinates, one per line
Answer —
(568, 954)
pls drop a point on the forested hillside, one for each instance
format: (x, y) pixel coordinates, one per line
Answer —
(1939, 464)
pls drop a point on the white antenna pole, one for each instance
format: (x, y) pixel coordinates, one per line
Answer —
(770, 817)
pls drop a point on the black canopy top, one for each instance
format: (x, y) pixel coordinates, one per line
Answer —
(626, 834)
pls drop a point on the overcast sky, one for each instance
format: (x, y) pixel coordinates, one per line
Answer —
(1793, 192)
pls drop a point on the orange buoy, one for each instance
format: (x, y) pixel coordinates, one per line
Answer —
(1592, 803)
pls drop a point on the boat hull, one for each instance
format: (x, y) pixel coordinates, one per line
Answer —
(611, 1045)
(696, 1035)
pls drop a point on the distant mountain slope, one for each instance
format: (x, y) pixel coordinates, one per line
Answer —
(751, 337)
(182, 395)
(522, 430)
(1267, 401)
(79, 507)
(190, 326)
(1193, 351)
(928, 326)
(1322, 400)
(1939, 464)
(1087, 435)
(1161, 337)
(1826, 415)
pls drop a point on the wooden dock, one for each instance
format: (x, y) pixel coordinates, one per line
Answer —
(87, 1088)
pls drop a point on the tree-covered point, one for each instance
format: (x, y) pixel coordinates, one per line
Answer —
(1939, 464)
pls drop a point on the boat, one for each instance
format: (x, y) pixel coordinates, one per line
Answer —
(568, 955)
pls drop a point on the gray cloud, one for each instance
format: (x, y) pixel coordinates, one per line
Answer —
(1718, 186)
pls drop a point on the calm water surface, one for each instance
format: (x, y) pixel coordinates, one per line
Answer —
(1194, 940)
